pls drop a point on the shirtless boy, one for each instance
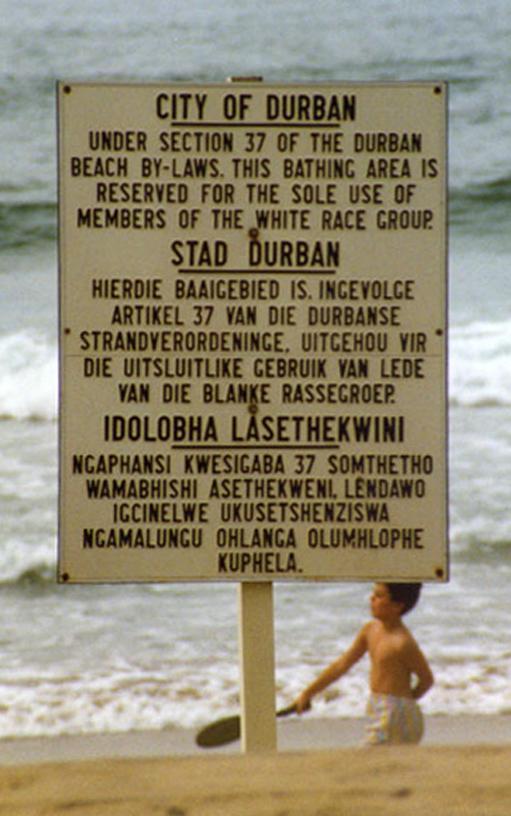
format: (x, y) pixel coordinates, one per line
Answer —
(399, 673)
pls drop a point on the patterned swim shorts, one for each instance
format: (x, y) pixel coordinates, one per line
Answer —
(393, 720)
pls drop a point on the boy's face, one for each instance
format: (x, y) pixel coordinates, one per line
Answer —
(382, 605)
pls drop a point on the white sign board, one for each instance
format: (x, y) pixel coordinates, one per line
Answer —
(253, 332)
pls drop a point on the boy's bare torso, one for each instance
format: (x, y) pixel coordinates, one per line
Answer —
(390, 651)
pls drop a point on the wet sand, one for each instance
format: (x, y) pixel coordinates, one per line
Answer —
(462, 768)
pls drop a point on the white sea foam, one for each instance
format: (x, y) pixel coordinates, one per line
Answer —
(480, 364)
(114, 700)
(28, 377)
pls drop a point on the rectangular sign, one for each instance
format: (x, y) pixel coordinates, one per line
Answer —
(253, 332)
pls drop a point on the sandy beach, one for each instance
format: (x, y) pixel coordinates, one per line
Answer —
(462, 768)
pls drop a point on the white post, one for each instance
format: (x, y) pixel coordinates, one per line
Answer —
(257, 651)
(257, 663)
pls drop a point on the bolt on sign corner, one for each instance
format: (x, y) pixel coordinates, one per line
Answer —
(253, 332)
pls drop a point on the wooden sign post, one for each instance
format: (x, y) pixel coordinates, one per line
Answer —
(257, 663)
(257, 655)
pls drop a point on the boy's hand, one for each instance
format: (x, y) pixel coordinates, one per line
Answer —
(302, 703)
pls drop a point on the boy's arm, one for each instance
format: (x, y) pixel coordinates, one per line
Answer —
(419, 666)
(335, 670)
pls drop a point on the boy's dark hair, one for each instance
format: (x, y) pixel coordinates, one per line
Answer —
(406, 594)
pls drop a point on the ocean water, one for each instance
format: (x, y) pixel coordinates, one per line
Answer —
(102, 658)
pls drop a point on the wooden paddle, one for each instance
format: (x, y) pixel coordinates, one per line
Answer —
(228, 729)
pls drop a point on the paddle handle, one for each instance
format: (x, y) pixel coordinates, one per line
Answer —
(285, 712)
